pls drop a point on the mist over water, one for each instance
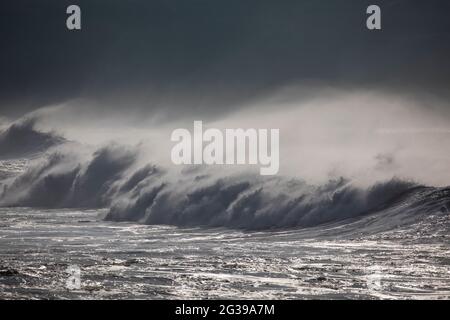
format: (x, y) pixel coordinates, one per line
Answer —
(342, 155)
(362, 135)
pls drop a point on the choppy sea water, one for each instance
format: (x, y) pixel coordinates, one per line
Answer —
(134, 261)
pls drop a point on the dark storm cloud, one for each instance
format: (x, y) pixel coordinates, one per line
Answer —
(212, 55)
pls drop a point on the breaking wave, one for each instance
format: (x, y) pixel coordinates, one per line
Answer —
(112, 178)
(21, 139)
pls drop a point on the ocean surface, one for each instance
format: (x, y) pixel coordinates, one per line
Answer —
(120, 260)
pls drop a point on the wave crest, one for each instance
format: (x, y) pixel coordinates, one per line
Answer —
(21, 139)
(110, 178)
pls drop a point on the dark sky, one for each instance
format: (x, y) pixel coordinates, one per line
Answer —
(214, 55)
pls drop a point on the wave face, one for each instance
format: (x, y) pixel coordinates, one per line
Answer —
(64, 180)
(111, 178)
(257, 204)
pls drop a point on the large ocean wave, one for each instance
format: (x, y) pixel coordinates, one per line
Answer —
(112, 178)
(21, 139)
